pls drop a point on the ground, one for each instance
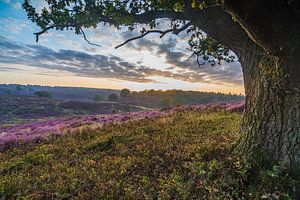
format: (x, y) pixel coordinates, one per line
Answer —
(183, 155)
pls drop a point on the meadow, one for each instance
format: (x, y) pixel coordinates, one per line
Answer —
(178, 153)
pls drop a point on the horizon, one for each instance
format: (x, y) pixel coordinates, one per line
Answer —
(163, 90)
(65, 59)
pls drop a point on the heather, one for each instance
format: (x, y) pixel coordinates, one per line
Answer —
(182, 153)
(20, 109)
(42, 129)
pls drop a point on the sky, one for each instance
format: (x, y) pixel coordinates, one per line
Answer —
(62, 58)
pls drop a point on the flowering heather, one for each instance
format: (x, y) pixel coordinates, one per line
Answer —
(59, 126)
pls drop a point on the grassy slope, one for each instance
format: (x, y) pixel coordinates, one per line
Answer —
(184, 156)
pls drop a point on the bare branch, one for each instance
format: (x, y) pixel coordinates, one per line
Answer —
(162, 33)
(143, 18)
(37, 34)
(144, 34)
(85, 38)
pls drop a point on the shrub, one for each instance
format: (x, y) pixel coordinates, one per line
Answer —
(46, 94)
(113, 97)
(98, 97)
(125, 93)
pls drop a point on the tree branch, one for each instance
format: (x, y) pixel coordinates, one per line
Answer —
(85, 38)
(212, 20)
(143, 18)
(271, 33)
(162, 33)
(219, 24)
(37, 34)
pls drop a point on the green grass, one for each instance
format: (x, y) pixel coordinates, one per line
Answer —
(183, 156)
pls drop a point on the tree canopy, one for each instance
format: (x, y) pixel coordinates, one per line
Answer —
(78, 14)
(268, 24)
(112, 97)
(125, 93)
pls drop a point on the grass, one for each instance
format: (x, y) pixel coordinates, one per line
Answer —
(182, 156)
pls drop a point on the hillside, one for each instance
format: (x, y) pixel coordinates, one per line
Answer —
(146, 98)
(59, 93)
(15, 109)
(181, 153)
(20, 104)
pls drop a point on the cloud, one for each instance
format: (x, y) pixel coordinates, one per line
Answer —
(6, 1)
(14, 26)
(173, 51)
(15, 4)
(176, 56)
(76, 62)
(5, 69)
(227, 73)
(85, 64)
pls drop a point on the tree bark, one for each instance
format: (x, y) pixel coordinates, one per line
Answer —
(219, 24)
(274, 26)
(270, 132)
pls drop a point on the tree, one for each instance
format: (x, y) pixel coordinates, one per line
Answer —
(112, 97)
(43, 94)
(167, 102)
(125, 93)
(264, 35)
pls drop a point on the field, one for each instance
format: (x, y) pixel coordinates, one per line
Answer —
(181, 153)
(22, 109)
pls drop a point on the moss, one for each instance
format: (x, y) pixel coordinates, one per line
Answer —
(272, 70)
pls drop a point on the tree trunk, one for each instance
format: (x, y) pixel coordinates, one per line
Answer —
(270, 132)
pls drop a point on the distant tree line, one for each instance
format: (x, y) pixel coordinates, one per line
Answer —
(180, 97)
(124, 93)
(160, 98)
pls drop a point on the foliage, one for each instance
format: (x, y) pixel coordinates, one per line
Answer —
(167, 102)
(43, 94)
(179, 97)
(113, 97)
(99, 97)
(207, 49)
(78, 14)
(185, 155)
(125, 93)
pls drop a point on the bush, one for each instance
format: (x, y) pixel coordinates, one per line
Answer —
(125, 93)
(167, 102)
(98, 97)
(113, 97)
(46, 94)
